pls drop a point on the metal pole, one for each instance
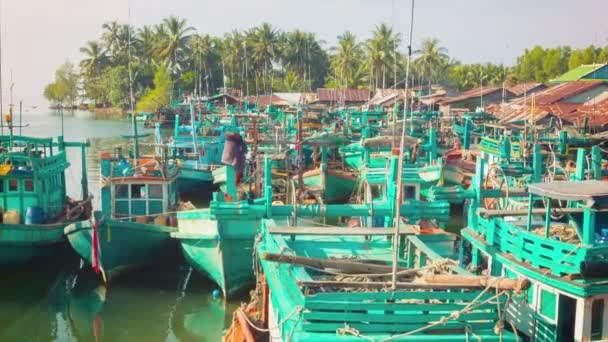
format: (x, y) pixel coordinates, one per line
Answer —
(397, 217)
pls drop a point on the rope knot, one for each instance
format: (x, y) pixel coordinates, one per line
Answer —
(499, 327)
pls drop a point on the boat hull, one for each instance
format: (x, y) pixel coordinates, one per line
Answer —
(123, 245)
(190, 180)
(220, 251)
(339, 185)
(21, 244)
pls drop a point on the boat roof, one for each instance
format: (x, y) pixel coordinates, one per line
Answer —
(571, 190)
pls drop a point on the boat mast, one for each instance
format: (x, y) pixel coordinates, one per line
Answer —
(398, 193)
(1, 88)
(131, 98)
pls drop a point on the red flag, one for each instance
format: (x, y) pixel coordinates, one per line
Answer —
(95, 248)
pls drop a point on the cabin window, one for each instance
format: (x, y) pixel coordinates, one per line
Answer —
(121, 191)
(409, 192)
(155, 191)
(597, 318)
(13, 185)
(547, 304)
(2, 185)
(138, 191)
(28, 185)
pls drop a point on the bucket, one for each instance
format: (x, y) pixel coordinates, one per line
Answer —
(34, 215)
(160, 220)
(11, 217)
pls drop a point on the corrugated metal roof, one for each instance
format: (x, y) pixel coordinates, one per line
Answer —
(471, 94)
(265, 100)
(343, 95)
(579, 72)
(521, 88)
(561, 91)
(548, 102)
(384, 96)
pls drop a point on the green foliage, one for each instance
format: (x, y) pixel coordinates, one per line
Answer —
(115, 84)
(160, 96)
(64, 89)
(264, 58)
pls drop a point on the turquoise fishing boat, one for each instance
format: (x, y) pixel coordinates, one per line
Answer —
(324, 285)
(197, 148)
(558, 241)
(133, 228)
(219, 241)
(34, 199)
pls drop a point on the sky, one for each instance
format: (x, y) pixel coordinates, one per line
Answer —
(39, 35)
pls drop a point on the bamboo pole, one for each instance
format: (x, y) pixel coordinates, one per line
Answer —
(500, 283)
(345, 266)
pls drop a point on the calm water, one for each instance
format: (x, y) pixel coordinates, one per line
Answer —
(59, 301)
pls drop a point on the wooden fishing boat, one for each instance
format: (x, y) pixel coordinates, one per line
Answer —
(133, 228)
(34, 199)
(321, 284)
(197, 154)
(558, 242)
(219, 242)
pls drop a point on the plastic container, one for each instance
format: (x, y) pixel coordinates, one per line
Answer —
(11, 217)
(34, 215)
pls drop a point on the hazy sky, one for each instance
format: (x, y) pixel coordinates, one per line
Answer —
(38, 35)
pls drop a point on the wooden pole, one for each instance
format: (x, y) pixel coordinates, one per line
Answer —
(518, 285)
(345, 266)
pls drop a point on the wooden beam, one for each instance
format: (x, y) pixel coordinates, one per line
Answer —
(524, 212)
(344, 266)
(408, 230)
(383, 285)
(500, 283)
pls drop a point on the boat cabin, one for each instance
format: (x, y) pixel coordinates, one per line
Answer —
(560, 243)
(32, 176)
(138, 190)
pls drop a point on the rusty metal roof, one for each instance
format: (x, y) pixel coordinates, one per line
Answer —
(548, 102)
(526, 87)
(471, 94)
(343, 95)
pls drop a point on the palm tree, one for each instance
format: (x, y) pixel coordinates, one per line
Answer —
(201, 47)
(346, 61)
(174, 35)
(145, 41)
(264, 41)
(111, 36)
(382, 53)
(432, 58)
(233, 55)
(95, 58)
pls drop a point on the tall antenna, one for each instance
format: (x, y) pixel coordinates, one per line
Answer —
(397, 217)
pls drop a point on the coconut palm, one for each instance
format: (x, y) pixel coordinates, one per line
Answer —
(201, 48)
(95, 58)
(111, 36)
(174, 35)
(382, 53)
(233, 56)
(432, 58)
(346, 60)
(264, 42)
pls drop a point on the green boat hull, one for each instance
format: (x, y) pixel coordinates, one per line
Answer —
(339, 186)
(22, 244)
(222, 252)
(191, 180)
(123, 245)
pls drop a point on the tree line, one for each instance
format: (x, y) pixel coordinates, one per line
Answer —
(157, 62)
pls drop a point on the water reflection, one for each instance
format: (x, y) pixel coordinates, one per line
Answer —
(59, 301)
